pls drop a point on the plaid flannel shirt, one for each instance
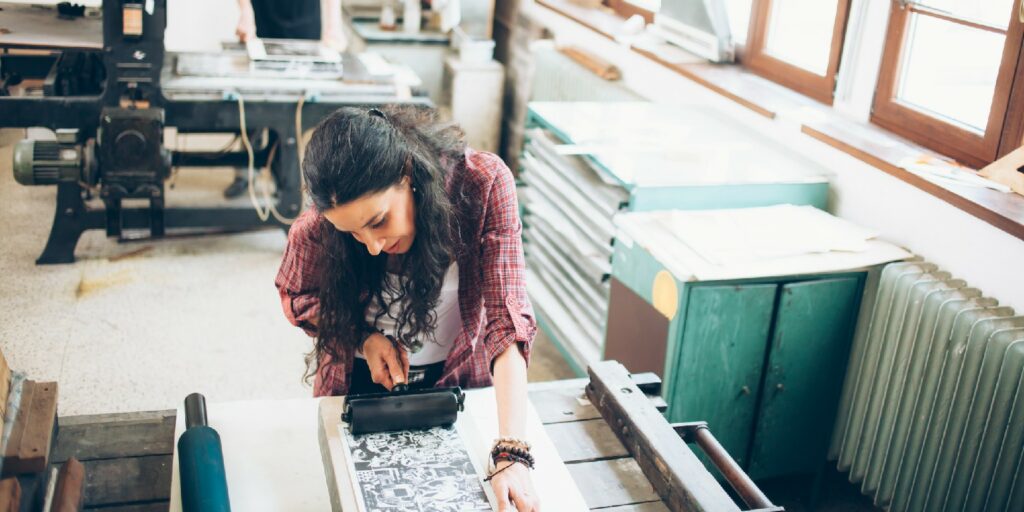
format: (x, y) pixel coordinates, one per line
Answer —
(495, 310)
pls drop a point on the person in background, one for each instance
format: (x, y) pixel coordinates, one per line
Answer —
(286, 19)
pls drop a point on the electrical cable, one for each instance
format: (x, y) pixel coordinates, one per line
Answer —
(264, 213)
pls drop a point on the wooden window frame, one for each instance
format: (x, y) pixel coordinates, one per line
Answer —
(625, 9)
(966, 146)
(821, 88)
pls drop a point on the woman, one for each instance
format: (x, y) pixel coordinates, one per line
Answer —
(409, 270)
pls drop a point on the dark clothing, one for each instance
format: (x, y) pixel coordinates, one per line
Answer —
(362, 383)
(287, 19)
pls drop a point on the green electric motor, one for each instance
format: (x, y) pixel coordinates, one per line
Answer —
(49, 162)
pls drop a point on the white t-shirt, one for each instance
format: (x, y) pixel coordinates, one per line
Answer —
(436, 345)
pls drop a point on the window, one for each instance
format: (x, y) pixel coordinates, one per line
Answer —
(739, 19)
(947, 77)
(797, 43)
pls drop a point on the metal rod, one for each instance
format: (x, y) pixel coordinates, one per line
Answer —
(737, 478)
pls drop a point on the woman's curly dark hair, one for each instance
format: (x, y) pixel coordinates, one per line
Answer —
(355, 152)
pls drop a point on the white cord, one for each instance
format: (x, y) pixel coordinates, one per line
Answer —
(271, 209)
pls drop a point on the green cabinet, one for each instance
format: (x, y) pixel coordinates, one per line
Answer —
(720, 358)
(584, 162)
(759, 356)
(807, 358)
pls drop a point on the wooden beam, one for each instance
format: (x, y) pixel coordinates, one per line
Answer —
(5, 387)
(69, 493)
(10, 495)
(677, 475)
(28, 448)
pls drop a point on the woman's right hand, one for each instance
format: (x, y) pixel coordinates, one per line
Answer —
(246, 28)
(388, 362)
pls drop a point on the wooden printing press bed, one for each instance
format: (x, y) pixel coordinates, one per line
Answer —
(128, 457)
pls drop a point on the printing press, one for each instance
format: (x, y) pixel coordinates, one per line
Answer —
(103, 81)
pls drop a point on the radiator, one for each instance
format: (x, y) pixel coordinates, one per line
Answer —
(932, 411)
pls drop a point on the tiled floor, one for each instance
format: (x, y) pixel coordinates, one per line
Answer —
(142, 332)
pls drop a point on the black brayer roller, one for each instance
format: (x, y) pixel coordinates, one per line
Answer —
(403, 409)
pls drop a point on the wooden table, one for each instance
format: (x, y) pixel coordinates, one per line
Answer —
(128, 456)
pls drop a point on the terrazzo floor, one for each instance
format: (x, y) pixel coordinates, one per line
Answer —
(138, 326)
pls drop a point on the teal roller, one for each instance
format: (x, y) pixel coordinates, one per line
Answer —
(204, 486)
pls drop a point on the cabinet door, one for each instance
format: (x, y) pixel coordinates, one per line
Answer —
(719, 358)
(806, 364)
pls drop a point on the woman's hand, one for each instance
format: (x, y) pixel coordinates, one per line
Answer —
(388, 362)
(246, 28)
(334, 39)
(514, 485)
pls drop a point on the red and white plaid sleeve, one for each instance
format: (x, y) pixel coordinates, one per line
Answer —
(509, 316)
(296, 280)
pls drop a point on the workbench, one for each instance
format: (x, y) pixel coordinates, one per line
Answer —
(128, 456)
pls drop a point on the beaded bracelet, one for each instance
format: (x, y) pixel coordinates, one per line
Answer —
(513, 458)
(513, 453)
(510, 448)
(513, 441)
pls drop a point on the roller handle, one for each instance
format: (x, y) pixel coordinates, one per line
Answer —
(195, 411)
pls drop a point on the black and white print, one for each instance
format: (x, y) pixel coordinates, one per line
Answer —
(422, 471)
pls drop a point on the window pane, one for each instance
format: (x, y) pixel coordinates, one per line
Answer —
(800, 32)
(989, 12)
(950, 70)
(739, 19)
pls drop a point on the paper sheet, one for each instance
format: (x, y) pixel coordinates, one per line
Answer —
(725, 237)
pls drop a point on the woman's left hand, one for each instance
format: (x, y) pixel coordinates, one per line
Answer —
(514, 485)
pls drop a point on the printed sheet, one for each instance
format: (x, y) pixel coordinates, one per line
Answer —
(419, 471)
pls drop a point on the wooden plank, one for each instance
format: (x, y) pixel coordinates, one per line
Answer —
(609, 483)
(127, 480)
(5, 387)
(120, 417)
(156, 506)
(28, 447)
(679, 477)
(1004, 211)
(10, 495)
(68, 495)
(18, 429)
(561, 404)
(583, 441)
(650, 506)
(112, 439)
(40, 429)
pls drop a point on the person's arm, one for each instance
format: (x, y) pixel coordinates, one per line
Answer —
(331, 31)
(510, 328)
(246, 28)
(296, 280)
(510, 392)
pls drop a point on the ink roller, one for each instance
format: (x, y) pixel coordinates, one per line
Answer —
(403, 409)
(204, 486)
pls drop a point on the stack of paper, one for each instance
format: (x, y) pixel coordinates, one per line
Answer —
(724, 237)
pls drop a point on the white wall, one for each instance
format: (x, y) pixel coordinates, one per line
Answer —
(987, 257)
